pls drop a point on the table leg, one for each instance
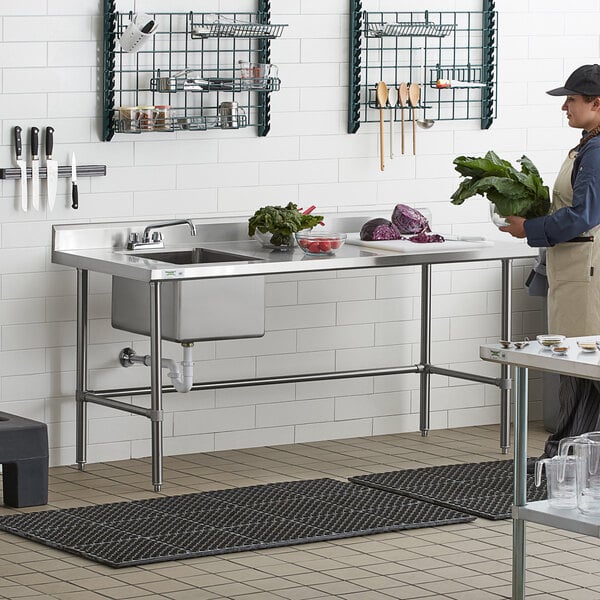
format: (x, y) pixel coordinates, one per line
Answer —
(520, 483)
(156, 415)
(505, 369)
(81, 369)
(425, 361)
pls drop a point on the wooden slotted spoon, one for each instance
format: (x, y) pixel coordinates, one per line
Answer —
(402, 99)
(382, 98)
(414, 93)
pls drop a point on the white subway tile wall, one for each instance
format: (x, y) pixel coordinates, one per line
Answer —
(50, 75)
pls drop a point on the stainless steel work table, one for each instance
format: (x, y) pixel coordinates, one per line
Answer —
(534, 356)
(98, 247)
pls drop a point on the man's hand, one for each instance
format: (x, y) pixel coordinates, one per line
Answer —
(515, 226)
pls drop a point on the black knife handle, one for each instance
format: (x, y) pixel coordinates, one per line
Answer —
(75, 196)
(35, 138)
(18, 143)
(49, 141)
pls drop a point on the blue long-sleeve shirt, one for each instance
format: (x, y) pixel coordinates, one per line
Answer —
(570, 221)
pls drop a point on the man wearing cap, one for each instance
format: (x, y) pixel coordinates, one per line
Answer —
(571, 232)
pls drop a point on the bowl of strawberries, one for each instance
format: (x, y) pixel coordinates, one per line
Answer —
(319, 244)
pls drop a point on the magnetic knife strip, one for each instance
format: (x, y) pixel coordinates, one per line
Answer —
(63, 171)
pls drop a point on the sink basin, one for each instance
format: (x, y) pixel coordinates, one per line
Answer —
(193, 256)
(194, 309)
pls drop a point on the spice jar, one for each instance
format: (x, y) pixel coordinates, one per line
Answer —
(162, 117)
(146, 117)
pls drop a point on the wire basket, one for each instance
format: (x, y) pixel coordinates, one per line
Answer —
(237, 30)
(414, 29)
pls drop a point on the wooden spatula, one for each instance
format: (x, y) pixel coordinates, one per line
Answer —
(414, 93)
(382, 98)
(402, 99)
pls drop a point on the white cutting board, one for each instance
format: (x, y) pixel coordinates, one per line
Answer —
(412, 247)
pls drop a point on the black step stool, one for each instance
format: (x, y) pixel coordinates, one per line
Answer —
(24, 459)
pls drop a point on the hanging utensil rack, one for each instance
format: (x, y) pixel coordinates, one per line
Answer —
(423, 47)
(209, 43)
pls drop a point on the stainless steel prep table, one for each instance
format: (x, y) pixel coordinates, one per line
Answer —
(534, 356)
(98, 247)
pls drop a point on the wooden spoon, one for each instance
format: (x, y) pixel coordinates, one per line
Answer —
(414, 93)
(382, 98)
(402, 99)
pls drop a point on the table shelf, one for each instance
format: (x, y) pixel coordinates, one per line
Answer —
(569, 520)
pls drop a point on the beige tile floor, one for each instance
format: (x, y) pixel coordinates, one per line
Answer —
(460, 562)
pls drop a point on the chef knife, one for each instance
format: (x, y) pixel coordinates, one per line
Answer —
(74, 190)
(35, 168)
(22, 166)
(51, 168)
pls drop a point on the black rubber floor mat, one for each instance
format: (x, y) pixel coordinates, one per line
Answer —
(480, 489)
(231, 520)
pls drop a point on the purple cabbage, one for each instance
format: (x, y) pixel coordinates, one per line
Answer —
(379, 229)
(426, 238)
(408, 220)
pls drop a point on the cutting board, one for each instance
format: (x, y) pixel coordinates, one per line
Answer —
(406, 246)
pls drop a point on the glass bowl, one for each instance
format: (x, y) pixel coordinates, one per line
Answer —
(497, 219)
(320, 244)
(550, 339)
(265, 240)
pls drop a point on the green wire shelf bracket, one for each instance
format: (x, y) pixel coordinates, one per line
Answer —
(354, 66)
(489, 62)
(108, 96)
(264, 57)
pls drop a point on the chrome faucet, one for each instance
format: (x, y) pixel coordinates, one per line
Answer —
(155, 240)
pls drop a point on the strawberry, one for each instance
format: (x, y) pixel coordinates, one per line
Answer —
(325, 246)
(314, 247)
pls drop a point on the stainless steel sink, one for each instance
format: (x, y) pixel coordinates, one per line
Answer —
(193, 309)
(193, 256)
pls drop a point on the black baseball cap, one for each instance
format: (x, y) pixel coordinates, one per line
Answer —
(584, 81)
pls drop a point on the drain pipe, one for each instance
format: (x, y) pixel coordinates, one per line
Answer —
(181, 374)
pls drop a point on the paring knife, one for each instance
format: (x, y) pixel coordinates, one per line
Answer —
(35, 168)
(74, 190)
(51, 168)
(22, 166)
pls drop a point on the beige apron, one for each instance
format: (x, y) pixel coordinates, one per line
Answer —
(573, 271)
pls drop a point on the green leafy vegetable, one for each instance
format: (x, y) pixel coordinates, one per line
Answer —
(281, 222)
(520, 193)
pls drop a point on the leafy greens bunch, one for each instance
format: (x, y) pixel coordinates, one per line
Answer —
(281, 222)
(520, 193)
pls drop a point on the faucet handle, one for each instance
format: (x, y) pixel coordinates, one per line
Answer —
(132, 240)
(156, 236)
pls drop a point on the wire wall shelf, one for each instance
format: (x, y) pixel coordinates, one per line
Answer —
(211, 25)
(188, 69)
(424, 29)
(452, 56)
